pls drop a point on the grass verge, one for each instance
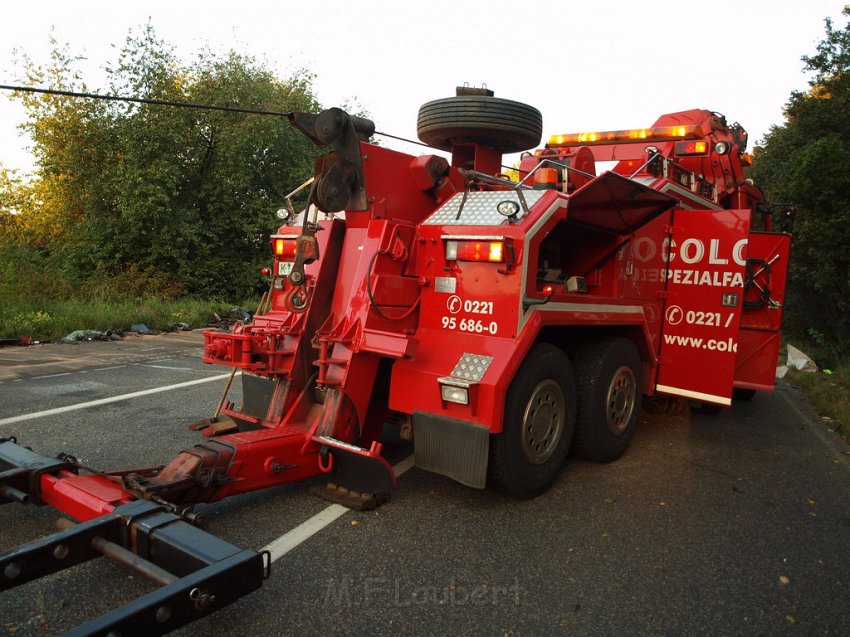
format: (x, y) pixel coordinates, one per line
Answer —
(53, 319)
(829, 393)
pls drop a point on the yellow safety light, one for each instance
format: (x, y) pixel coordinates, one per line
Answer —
(692, 147)
(659, 133)
(481, 251)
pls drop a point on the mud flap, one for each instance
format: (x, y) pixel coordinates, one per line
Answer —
(360, 478)
(453, 448)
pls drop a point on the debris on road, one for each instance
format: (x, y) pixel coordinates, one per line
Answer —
(228, 318)
(799, 360)
(78, 336)
(20, 340)
(177, 327)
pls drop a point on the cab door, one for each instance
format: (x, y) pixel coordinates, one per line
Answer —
(706, 265)
(764, 296)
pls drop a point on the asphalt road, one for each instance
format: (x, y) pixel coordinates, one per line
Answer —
(737, 524)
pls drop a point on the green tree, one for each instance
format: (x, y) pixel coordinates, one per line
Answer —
(160, 199)
(806, 161)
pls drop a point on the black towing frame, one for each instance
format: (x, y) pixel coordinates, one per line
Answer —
(198, 573)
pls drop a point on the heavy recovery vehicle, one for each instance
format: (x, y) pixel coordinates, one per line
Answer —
(499, 321)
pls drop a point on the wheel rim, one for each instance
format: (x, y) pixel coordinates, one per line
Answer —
(620, 404)
(543, 422)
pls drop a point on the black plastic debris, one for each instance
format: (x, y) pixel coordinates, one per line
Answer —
(177, 327)
(227, 318)
(78, 336)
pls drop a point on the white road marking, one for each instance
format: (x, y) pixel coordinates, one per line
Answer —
(279, 547)
(304, 531)
(289, 540)
(404, 466)
(52, 375)
(181, 369)
(106, 401)
(103, 369)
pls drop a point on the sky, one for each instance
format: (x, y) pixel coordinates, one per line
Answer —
(603, 65)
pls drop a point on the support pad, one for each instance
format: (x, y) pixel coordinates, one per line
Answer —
(348, 498)
(361, 478)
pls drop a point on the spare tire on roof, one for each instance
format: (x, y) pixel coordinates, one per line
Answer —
(504, 125)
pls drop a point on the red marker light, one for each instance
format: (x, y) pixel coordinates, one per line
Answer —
(695, 147)
(284, 247)
(265, 271)
(485, 250)
(548, 290)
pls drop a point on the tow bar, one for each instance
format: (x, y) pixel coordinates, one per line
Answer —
(204, 573)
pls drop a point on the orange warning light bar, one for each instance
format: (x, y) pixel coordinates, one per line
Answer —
(659, 133)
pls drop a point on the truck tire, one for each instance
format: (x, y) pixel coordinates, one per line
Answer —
(539, 424)
(608, 395)
(705, 409)
(743, 394)
(504, 125)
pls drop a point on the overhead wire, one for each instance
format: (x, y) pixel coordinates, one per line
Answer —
(157, 102)
(143, 100)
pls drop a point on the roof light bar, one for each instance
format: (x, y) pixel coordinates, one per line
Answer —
(659, 133)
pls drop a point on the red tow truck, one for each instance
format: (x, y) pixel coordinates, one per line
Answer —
(501, 323)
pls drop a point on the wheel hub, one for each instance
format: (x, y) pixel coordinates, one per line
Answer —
(621, 400)
(543, 422)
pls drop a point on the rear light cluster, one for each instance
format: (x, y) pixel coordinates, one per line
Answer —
(488, 251)
(692, 147)
(284, 247)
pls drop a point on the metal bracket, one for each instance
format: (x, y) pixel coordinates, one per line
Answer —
(21, 470)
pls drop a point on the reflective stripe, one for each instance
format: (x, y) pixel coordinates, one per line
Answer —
(589, 308)
(687, 393)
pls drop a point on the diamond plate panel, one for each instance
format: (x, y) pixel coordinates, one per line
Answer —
(472, 367)
(479, 208)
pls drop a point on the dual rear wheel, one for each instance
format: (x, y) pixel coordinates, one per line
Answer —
(591, 404)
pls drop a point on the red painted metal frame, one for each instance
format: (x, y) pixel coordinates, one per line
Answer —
(372, 295)
(83, 497)
(760, 336)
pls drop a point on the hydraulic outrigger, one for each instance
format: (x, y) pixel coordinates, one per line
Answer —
(295, 423)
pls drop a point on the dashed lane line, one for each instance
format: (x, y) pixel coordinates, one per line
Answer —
(111, 399)
(178, 369)
(126, 363)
